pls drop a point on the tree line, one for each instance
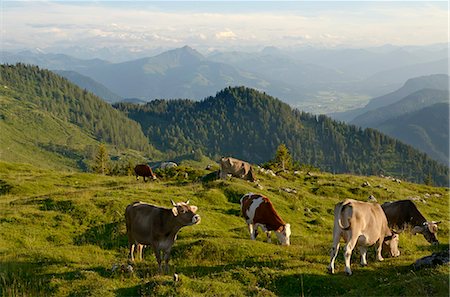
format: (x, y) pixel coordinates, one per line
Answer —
(249, 124)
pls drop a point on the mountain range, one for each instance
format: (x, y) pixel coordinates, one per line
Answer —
(316, 80)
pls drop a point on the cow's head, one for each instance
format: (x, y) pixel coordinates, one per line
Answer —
(251, 175)
(283, 234)
(185, 213)
(391, 243)
(428, 230)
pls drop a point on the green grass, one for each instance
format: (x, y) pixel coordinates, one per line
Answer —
(61, 233)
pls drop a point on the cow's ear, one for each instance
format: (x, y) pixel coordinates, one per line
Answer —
(194, 208)
(175, 211)
(417, 229)
(432, 227)
(187, 202)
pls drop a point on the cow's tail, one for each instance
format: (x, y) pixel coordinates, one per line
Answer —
(342, 207)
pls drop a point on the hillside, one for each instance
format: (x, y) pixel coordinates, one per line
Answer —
(426, 129)
(91, 85)
(62, 233)
(68, 102)
(411, 103)
(437, 82)
(248, 124)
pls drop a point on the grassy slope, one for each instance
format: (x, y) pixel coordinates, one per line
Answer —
(61, 232)
(28, 133)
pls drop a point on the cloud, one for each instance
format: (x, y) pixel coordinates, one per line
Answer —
(227, 34)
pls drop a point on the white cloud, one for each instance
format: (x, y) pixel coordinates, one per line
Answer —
(227, 34)
(41, 24)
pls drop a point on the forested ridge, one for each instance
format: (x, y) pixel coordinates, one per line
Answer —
(70, 103)
(248, 124)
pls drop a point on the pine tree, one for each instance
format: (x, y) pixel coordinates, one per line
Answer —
(101, 160)
(283, 159)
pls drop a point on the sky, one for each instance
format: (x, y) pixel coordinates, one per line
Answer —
(216, 25)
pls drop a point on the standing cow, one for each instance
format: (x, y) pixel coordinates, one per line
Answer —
(258, 211)
(403, 213)
(157, 227)
(362, 224)
(143, 170)
(236, 168)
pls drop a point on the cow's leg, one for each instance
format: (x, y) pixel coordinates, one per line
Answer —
(253, 230)
(334, 250)
(166, 260)
(348, 249)
(140, 247)
(269, 240)
(158, 259)
(137, 177)
(131, 249)
(379, 249)
(363, 252)
(145, 179)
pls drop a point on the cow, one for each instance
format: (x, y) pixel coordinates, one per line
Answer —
(143, 170)
(403, 213)
(363, 224)
(258, 211)
(157, 227)
(167, 165)
(236, 168)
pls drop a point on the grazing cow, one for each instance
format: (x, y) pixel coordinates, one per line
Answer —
(405, 213)
(258, 211)
(363, 224)
(143, 170)
(157, 227)
(236, 168)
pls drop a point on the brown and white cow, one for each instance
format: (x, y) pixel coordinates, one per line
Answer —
(236, 168)
(258, 211)
(143, 170)
(157, 227)
(363, 224)
(403, 213)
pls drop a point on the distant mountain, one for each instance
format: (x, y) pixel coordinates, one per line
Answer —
(179, 73)
(49, 61)
(410, 103)
(248, 124)
(426, 129)
(133, 100)
(60, 99)
(91, 85)
(436, 81)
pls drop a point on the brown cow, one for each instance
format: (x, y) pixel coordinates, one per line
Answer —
(405, 213)
(157, 227)
(236, 168)
(363, 224)
(144, 170)
(258, 211)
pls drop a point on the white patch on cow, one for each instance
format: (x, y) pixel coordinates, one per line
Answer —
(252, 209)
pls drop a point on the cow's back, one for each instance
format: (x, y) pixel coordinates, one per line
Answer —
(364, 218)
(257, 209)
(403, 212)
(142, 220)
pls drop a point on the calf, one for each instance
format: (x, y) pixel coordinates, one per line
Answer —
(157, 227)
(403, 213)
(258, 211)
(362, 224)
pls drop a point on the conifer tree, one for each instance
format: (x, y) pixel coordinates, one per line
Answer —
(101, 160)
(283, 159)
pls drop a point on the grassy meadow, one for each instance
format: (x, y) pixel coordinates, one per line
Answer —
(62, 232)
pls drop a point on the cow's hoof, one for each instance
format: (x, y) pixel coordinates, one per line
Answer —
(348, 272)
(330, 270)
(363, 264)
